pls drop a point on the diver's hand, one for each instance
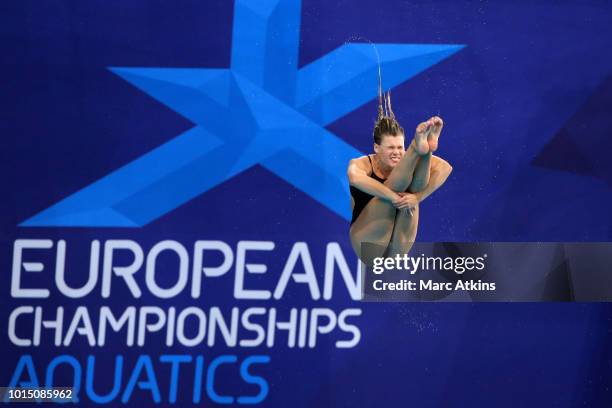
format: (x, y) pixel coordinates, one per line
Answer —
(392, 196)
(406, 201)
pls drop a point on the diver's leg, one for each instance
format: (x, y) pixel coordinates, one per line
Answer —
(392, 232)
(373, 226)
(421, 174)
(406, 224)
(404, 232)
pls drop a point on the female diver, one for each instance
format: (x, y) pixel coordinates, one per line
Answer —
(387, 186)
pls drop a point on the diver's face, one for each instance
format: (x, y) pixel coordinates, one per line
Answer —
(390, 150)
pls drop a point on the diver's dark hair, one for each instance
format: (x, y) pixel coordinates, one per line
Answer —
(385, 124)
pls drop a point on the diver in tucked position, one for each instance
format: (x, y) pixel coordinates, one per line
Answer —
(387, 186)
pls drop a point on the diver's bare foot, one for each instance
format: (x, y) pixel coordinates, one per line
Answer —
(434, 134)
(421, 134)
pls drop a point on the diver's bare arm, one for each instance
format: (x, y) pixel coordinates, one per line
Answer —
(440, 170)
(358, 177)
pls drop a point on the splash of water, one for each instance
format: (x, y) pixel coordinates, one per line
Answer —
(355, 38)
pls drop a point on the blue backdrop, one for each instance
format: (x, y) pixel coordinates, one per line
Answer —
(142, 91)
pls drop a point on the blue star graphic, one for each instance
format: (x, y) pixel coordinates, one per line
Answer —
(262, 110)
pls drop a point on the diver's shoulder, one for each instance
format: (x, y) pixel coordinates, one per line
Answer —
(363, 162)
(364, 159)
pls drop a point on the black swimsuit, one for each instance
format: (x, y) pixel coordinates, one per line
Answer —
(362, 198)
